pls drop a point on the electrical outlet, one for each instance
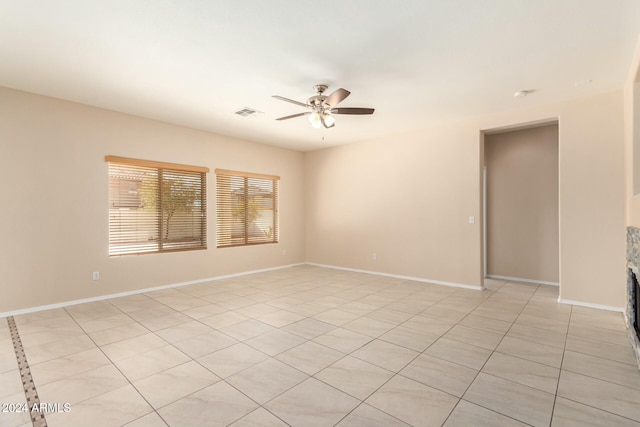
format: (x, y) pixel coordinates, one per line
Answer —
(472, 220)
(284, 252)
(374, 256)
(96, 275)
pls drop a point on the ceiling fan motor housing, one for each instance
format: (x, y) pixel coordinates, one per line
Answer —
(316, 102)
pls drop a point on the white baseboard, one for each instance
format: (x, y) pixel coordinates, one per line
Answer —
(244, 273)
(139, 291)
(519, 279)
(589, 305)
(398, 276)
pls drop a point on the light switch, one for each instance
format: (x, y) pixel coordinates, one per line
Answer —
(472, 220)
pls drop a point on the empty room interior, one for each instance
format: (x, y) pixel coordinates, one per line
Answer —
(290, 213)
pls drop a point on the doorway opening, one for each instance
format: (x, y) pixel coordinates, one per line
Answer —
(520, 194)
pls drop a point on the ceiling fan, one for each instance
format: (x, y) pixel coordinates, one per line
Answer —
(322, 107)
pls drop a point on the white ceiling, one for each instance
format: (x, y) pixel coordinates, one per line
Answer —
(418, 62)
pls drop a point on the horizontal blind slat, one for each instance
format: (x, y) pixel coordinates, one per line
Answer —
(154, 208)
(246, 206)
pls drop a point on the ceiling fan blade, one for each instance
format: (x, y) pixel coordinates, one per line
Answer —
(294, 115)
(282, 98)
(352, 110)
(337, 97)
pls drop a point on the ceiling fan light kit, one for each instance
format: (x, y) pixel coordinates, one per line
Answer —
(328, 120)
(318, 120)
(314, 119)
(321, 107)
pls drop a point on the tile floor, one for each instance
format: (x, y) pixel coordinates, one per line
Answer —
(308, 346)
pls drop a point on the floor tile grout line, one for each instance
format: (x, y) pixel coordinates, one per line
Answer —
(598, 378)
(338, 326)
(441, 336)
(492, 352)
(363, 401)
(564, 349)
(444, 334)
(117, 368)
(462, 399)
(212, 328)
(225, 379)
(168, 343)
(293, 367)
(514, 382)
(603, 358)
(172, 344)
(543, 329)
(200, 364)
(398, 373)
(190, 394)
(28, 385)
(413, 315)
(269, 357)
(636, 421)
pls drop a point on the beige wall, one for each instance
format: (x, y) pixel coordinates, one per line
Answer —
(592, 232)
(54, 201)
(522, 203)
(632, 139)
(408, 198)
(635, 120)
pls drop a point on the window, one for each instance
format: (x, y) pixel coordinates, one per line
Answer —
(247, 208)
(156, 207)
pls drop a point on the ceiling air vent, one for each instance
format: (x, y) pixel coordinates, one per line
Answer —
(246, 112)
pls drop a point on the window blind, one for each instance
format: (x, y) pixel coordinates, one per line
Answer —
(247, 208)
(155, 207)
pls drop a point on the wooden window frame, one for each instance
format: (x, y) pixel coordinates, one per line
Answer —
(226, 218)
(122, 244)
